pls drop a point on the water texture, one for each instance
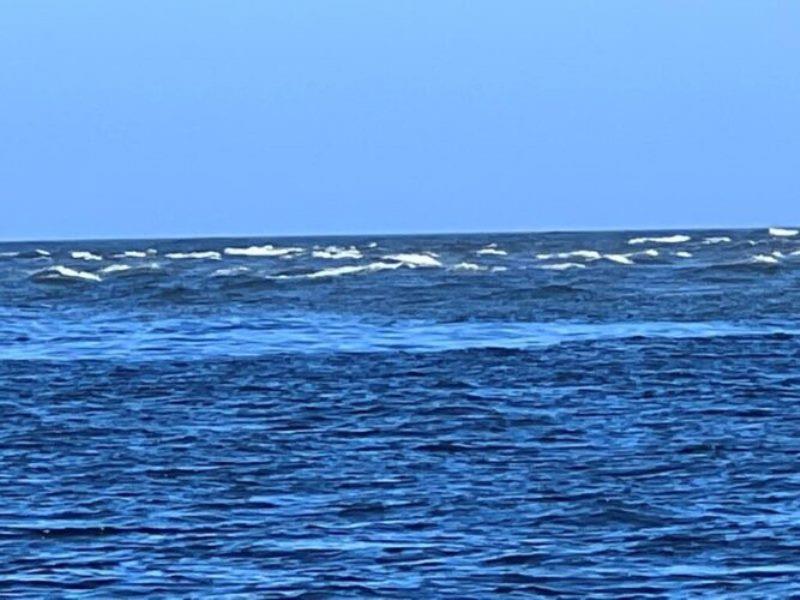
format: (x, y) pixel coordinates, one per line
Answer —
(558, 415)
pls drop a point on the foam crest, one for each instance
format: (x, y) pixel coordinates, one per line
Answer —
(230, 272)
(132, 254)
(427, 259)
(337, 253)
(353, 269)
(115, 268)
(722, 239)
(620, 259)
(683, 254)
(468, 266)
(563, 266)
(491, 250)
(9, 254)
(780, 232)
(209, 255)
(60, 271)
(269, 251)
(83, 255)
(670, 239)
(765, 259)
(584, 254)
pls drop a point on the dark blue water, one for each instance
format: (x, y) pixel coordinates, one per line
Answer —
(402, 417)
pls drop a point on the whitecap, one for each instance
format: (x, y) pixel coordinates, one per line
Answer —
(209, 255)
(41, 252)
(268, 250)
(491, 250)
(622, 259)
(58, 271)
(115, 268)
(670, 239)
(651, 252)
(765, 259)
(467, 266)
(9, 254)
(83, 255)
(683, 254)
(426, 259)
(780, 232)
(336, 253)
(372, 245)
(132, 254)
(230, 272)
(499, 269)
(352, 269)
(585, 254)
(563, 266)
(723, 239)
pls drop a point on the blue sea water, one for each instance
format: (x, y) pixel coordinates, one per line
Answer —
(566, 415)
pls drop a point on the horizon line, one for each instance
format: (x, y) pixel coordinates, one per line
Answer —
(219, 236)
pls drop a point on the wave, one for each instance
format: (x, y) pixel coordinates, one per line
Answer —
(563, 266)
(723, 239)
(83, 255)
(132, 254)
(208, 255)
(336, 253)
(61, 272)
(115, 268)
(764, 259)
(230, 272)
(780, 232)
(269, 250)
(9, 254)
(491, 250)
(351, 269)
(683, 254)
(585, 254)
(411, 260)
(651, 252)
(670, 239)
(621, 259)
(467, 266)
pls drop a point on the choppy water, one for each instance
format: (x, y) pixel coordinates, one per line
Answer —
(563, 415)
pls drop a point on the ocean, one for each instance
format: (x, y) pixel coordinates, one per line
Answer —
(607, 415)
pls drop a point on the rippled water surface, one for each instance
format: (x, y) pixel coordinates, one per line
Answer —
(568, 415)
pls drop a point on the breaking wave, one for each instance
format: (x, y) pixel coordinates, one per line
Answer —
(60, 272)
(780, 232)
(670, 239)
(207, 255)
(268, 251)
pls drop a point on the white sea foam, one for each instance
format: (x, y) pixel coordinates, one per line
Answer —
(352, 269)
(208, 255)
(426, 259)
(115, 268)
(230, 272)
(132, 254)
(683, 254)
(83, 255)
(9, 254)
(563, 266)
(58, 271)
(671, 239)
(585, 254)
(723, 239)
(491, 250)
(622, 259)
(337, 253)
(268, 250)
(467, 266)
(651, 252)
(780, 232)
(499, 269)
(765, 259)
(41, 252)
(372, 245)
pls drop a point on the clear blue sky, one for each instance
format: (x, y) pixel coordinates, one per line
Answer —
(132, 118)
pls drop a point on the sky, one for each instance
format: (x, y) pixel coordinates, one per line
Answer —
(190, 118)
